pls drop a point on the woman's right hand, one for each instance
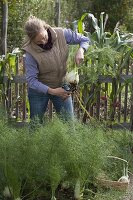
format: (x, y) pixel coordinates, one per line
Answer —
(59, 92)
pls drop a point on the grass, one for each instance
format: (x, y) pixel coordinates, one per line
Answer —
(109, 194)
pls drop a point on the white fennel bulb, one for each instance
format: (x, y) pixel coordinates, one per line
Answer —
(53, 198)
(65, 185)
(124, 179)
(7, 192)
(77, 190)
(72, 77)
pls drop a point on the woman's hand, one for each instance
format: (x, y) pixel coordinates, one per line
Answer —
(79, 56)
(59, 92)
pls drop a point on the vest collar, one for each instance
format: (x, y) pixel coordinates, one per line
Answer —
(39, 49)
(53, 35)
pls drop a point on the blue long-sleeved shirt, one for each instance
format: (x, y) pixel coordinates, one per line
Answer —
(30, 63)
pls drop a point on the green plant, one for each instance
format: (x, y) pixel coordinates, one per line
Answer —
(14, 163)
(59, 152)
(120, 145)
(108, 56)
(109, 53)
(54, 153)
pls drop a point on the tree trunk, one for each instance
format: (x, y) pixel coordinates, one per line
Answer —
(57, 13)
(131, 119)
(4, 6)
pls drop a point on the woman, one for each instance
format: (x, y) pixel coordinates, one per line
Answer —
(46, 53)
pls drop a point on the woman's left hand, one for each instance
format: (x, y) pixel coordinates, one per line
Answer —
(79, 56)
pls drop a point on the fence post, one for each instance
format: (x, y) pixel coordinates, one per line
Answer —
(4, 26)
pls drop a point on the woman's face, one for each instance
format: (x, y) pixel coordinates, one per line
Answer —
(42, 37)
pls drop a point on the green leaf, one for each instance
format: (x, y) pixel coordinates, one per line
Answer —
(11, 60)
(101, 25)
(80, 23)
(126, 58)
(95, 25)
(80, 26)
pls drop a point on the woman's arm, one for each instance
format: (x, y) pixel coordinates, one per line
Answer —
(74, 38)
(32, 74)
(32, 79)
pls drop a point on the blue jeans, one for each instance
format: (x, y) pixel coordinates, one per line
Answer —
(39, 101)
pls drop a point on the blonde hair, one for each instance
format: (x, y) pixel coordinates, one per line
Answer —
(33, 26)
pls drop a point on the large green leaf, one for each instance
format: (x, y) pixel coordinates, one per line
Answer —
(126, 58)
(80, 23)
(95, 25)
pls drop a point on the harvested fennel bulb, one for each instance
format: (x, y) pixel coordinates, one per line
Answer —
(72, 77)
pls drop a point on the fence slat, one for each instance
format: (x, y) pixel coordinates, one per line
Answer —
(106, 101)
(98, 102)
(126, 96)
(119, 109)
(17, 90)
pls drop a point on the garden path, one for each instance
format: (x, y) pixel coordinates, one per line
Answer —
(129, 192)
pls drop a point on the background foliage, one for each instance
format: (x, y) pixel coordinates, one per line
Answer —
(19, 10)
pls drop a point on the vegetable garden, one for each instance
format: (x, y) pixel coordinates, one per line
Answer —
(89, 158)
(106, 78)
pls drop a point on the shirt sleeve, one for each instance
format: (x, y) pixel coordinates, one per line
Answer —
(76, 38)
(32, 72)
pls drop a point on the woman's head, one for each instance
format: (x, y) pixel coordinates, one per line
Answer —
(36, 30)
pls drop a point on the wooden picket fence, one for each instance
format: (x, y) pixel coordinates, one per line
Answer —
(15, 101)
